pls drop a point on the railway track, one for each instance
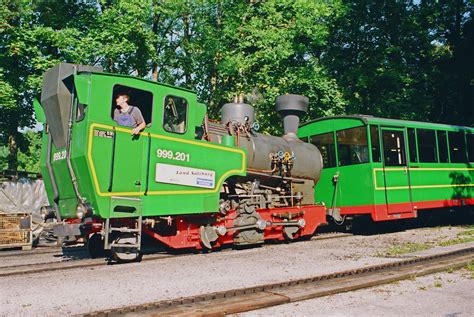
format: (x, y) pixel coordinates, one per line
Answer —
(72, 263)
(252, 298)
(41, 250)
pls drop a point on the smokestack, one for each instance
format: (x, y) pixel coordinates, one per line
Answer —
(291, 108)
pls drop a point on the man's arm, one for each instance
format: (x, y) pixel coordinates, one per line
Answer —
(139, 128)
(137, 115)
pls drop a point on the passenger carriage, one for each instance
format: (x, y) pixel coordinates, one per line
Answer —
(391, 169)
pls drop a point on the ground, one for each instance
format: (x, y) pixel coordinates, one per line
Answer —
(77, 291)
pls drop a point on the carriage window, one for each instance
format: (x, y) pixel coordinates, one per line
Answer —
(175, 114)
(352, 146)
(374, 139)
(141, 99)
(393, 148)
(470, 147)
(412, 145)
(457, 147)
(442, 146)
(427, 146)
(325, 144)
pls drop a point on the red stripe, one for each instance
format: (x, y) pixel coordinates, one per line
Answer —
(402, 210)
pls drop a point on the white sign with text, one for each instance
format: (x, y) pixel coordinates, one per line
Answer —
(180, 175)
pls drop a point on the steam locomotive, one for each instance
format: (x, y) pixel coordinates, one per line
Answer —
(191, 183)
(184, 180)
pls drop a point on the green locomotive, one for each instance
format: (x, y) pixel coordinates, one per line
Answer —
(183, 180)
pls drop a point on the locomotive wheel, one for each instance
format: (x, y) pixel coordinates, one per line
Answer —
(95, 246)
(124, 254)
(249, 236)
(289, 232)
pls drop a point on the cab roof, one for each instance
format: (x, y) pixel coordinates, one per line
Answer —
(137, 78)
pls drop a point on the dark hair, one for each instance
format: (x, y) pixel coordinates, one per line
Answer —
(126, 96)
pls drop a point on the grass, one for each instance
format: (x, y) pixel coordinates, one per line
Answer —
(456, 241)
(469, 232)
(405, 248)
(470, 267)
(462, 237)
(410, 247)
(438, 282)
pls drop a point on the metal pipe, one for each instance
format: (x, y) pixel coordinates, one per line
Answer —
(68, 143)
(51, 176)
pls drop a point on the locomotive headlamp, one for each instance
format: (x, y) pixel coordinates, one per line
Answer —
(83, 210)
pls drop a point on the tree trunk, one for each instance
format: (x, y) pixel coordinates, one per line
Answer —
(186, 40)
(154, 72)
(13, 151)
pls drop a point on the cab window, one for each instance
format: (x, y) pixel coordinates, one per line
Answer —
(139, 98)
(175, 114)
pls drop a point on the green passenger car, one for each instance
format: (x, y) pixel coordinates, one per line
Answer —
(390, 169)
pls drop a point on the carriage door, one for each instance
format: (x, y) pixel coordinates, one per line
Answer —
(397, 178)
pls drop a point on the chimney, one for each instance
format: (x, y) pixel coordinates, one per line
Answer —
(291, 108)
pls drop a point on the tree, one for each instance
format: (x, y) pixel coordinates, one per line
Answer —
(33, 39)
(30, 151)
(263, 49)
(403, 60)
(219, 48)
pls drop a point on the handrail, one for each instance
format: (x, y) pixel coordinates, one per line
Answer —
(148, 164)
(112, 163)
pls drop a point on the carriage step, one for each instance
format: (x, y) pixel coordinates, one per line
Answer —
(124, 229)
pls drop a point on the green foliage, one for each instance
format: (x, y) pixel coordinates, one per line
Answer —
(263, 49)
(29, 157)
(410, 60)
(3, 158)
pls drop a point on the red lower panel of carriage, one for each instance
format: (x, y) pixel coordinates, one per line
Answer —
(397, 211)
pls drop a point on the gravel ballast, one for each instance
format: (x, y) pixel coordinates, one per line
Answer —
(85, 290)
